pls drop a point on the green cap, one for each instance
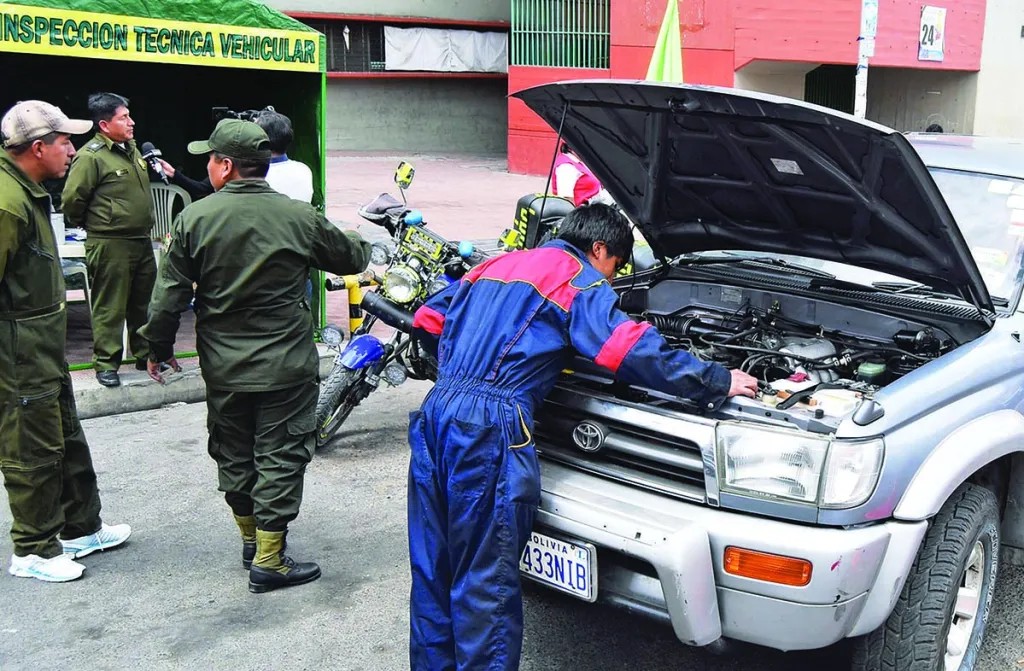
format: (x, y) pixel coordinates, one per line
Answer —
(236, 139)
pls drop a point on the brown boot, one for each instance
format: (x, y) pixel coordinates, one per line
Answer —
(272, 569)
(247, 525)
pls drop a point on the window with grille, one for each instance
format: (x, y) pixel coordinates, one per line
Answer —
(561, 33)
(352, 46)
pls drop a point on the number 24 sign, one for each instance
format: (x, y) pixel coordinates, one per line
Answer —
(933, 34)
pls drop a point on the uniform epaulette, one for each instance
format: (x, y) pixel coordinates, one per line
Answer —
(93, 146)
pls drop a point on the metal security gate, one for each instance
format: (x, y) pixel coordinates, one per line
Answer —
(561, 33)
(831, 86)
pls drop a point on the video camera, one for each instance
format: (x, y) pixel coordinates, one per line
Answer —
(245, 115)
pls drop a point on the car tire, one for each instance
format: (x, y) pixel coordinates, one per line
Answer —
(916, 636)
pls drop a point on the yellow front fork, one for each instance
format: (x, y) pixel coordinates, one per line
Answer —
(354, 284)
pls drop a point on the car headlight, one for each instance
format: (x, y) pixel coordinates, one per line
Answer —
(793, 466)
(401, 284)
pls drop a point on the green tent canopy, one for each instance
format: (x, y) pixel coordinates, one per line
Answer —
(175, 60)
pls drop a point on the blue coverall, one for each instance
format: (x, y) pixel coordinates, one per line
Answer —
(502, 335)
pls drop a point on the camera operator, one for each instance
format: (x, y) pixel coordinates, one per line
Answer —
(292, 178)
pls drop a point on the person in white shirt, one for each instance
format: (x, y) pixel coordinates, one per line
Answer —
(292, 178)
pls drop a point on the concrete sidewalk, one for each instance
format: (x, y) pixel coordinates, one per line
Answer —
(139, 392)
(461, 197)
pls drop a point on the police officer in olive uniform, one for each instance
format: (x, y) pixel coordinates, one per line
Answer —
(44, 457)
(248, 250)
(107, 194)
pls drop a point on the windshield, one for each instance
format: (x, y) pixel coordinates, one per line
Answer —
(990, 213)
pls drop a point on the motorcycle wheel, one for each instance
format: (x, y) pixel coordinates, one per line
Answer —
(339, 395)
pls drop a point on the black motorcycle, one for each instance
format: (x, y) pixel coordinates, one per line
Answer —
(419, 263)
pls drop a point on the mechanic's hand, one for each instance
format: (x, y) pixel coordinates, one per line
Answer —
(155, 369)
(743, 384)
(168, 168)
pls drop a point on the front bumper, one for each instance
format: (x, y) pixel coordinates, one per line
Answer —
(663, 557)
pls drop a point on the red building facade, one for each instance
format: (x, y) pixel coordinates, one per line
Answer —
(721, 37)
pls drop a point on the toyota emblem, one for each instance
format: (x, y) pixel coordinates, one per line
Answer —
(589, 436)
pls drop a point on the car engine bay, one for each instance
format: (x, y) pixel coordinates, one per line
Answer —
(815, 360)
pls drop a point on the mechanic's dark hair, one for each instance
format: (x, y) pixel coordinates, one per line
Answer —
(597, 222)
(933, 128)
(103, 106)
(247, 168)
(278, 128)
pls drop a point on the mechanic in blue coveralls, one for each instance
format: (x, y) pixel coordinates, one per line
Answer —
(502, 335)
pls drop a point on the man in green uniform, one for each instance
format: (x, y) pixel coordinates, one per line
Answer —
(248, 250)
(44, 457)
(107, 194)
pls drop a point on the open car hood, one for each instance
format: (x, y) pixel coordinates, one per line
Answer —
(705, 168)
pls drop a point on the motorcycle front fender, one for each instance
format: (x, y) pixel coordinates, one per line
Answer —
(362, 351)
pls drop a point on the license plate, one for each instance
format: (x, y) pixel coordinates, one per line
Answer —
(569, 567)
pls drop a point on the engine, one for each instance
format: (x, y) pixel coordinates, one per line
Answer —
(790, 357)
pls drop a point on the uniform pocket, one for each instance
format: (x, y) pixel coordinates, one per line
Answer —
(39, 353)
(522, 467)
(303, 425)
(35, 437)
(472, 452)
(421, 464)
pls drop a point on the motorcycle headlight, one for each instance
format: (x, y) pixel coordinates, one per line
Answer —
(401, 284)
(792, 466)
(380, 254)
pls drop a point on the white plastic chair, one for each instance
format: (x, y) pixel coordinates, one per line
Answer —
(163, 196)
(76, 276)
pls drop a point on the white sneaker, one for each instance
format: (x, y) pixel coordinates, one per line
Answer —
(109, 536)
(55, 569)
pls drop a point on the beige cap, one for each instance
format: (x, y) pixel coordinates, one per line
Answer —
(32, 119)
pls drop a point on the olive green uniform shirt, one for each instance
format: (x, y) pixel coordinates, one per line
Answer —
(107, 191)
(249, 250)
(33, 321)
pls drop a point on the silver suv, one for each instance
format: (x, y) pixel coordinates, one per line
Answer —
(870, 280)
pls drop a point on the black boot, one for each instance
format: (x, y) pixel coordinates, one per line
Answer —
(272, 569)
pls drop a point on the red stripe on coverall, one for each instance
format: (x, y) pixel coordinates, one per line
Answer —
(550, 271)
(619, 343)
(428, 319)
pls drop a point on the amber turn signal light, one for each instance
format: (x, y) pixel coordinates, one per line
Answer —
(768, 567)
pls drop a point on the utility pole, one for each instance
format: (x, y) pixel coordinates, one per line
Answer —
(865, 50)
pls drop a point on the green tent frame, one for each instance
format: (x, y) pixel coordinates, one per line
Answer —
(175, 60)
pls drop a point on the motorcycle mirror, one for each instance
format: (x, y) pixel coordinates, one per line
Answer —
(404, 174)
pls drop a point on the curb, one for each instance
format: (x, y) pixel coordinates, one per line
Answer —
(137, 392)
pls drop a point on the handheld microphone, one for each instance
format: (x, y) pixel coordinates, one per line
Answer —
(149, 155)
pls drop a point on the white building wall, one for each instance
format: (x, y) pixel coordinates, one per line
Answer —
(452, 10)
(1000, 108)
(777, 78)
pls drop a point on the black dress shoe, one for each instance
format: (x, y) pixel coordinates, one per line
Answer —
(108, 378)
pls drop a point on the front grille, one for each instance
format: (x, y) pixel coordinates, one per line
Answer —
(643, 446)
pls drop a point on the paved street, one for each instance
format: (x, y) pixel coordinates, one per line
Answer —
(176, 596)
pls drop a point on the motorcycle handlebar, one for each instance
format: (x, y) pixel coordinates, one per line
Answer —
(388, 313)
(367, 278)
